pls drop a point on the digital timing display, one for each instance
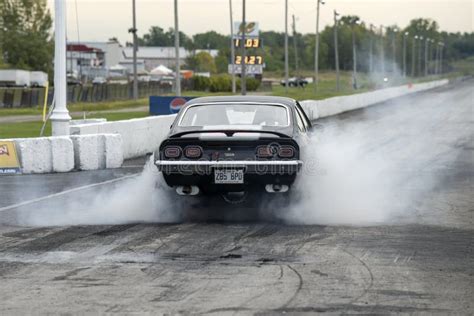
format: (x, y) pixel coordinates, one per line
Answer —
(249, 60)
(249, 42)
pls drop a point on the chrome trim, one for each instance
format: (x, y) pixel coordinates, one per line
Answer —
(288, 111)
(229, 163)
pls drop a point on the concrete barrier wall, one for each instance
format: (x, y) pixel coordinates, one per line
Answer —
(98, 151)
(45, 154)
(139, 136)
(64, 154)
(337, 105)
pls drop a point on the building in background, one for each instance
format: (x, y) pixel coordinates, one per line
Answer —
(112, 51)
(88, 60)
(84, 61)
(155, 56)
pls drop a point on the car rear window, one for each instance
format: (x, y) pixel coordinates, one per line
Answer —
(235, 114)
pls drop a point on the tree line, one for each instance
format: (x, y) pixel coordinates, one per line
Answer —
(368, 39)
(26, 42)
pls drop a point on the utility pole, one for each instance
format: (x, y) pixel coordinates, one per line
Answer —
(60, 117)
(135, 48)
(382, 51)
(420, 49)
(336, 51)
(232, 47)
(441, 57)
(286, 46)
(427, 41)
(433, 58)
(295, 46)
(394, 50)
(354, 55)
(413, 56)
(405, 54)
(176, 47)
(243, 83)
(371, 53)
(316, 48)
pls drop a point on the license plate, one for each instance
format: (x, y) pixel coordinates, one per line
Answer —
(228, 176)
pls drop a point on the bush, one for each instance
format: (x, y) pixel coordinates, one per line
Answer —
(201, 83)
(252, 84)
(221, 83)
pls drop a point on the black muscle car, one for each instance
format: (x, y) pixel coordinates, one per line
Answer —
(220, 145)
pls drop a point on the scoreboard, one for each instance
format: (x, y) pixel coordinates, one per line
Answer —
(253, 62)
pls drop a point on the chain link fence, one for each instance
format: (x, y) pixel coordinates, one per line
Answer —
(33, 97)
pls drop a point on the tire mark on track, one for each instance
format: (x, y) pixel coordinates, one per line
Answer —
(300, 286)
(365, 265)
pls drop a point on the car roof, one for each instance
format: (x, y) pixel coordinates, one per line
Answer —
(246, 98)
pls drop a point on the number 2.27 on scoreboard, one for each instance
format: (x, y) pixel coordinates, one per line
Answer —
(249, 60)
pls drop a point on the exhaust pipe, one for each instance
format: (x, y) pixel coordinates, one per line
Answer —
(277, 188)
(187, 190)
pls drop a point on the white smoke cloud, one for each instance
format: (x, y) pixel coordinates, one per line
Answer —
(142, 199)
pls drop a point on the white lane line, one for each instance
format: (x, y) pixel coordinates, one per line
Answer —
(13, 206)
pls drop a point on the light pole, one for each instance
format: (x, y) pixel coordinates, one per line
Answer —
(336, 51)
(295, 46)
(420, 49)
(394, 50)
(371, 53)
(441, 58)
(354, 22)
(413, 56)
(433, 58)
(133, 30)
(286, 46)
(60, 117)
(405, 54)
(382, 51)
(176, 47)
(316, 48)
(243, 82)
(232, 47)
(427, 41)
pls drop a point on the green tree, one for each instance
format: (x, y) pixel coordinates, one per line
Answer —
(205, 62)
(156, 36)
(210, 40)
(222, 60)
(26, 34)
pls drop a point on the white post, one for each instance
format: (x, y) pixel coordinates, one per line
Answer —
(60, 117)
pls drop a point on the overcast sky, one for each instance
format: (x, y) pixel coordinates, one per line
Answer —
(103, 19)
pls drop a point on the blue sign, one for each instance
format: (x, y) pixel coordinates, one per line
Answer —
(167, 105)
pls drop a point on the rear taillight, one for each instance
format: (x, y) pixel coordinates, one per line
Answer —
(193, 152)
(172, 152)
(286, 152)
(264, 152)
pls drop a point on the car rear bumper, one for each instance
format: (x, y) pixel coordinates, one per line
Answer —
(257, 174)
(250, 166)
